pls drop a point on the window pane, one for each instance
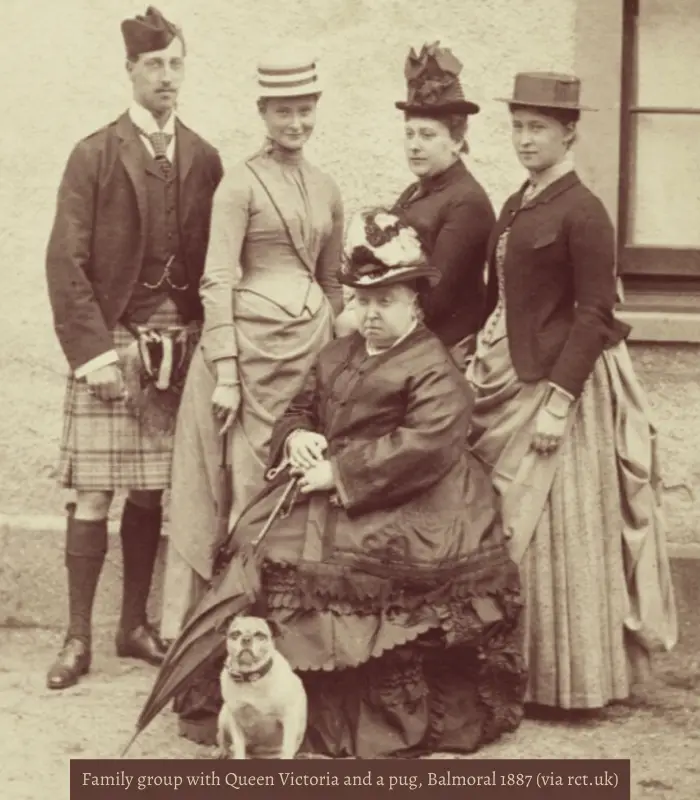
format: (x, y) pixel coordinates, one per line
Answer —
(664, 208)
(668, 33)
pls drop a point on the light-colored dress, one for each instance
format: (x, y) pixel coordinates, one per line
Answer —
(586, 524)
(270, 294)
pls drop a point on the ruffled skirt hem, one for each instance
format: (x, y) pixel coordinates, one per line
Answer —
(439, 673)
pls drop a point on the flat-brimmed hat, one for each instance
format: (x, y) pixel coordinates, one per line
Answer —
(288, 75)
(546, 90)
(433, 85)
(381, 250)
(148, 32)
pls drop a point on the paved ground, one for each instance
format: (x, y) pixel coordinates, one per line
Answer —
(41, 730)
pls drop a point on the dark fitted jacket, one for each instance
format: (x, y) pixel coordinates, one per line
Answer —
(96, 247)
(560, 283)
(454, 217)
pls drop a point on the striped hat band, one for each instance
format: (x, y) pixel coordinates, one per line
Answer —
(288, 80)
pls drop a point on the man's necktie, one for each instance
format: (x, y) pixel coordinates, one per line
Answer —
(160, 142)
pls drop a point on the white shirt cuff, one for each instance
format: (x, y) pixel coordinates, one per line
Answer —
(561, 391)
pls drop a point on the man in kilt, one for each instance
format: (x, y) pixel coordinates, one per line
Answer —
(123, 263)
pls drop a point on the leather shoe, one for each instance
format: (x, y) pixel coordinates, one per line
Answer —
(72, 662)
(142, 643)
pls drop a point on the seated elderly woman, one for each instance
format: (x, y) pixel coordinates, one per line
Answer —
(389, 580)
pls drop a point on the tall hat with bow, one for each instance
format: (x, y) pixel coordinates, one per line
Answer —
(381, 250)
(433, 85)
(148, 32)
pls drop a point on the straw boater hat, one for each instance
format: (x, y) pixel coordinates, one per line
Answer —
(546, 90)
(148, 32)
(288, 75)
(380, 250)
(433, 86)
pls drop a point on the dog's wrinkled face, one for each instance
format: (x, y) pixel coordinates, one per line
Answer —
(249, 643)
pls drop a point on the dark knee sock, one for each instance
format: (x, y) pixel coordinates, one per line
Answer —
(140, 536)
(86, 547)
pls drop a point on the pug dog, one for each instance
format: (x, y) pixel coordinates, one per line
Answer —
(264, 701)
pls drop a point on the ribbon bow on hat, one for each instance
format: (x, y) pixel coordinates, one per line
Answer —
(429, 72)
(433, 85)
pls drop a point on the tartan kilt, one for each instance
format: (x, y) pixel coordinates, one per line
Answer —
(103, 446)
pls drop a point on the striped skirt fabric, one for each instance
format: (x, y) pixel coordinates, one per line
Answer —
(594, 565)
(104, 447)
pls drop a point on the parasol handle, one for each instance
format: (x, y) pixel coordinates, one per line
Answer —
(275, 511)
(273, 472)
(224, 450)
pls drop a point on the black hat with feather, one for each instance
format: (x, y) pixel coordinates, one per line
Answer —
(433, 85)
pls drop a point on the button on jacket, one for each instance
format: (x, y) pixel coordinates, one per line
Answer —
(560, 283)
(97, 244)
(454, 216)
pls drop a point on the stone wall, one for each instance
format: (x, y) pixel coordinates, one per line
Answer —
(70, 80)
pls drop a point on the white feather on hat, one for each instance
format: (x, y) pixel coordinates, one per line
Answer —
(380, 248)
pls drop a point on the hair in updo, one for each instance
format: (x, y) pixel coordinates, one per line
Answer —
(456, 124)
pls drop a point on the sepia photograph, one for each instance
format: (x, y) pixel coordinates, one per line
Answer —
(316, 312)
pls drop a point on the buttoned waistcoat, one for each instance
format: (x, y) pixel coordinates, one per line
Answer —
(97, 243)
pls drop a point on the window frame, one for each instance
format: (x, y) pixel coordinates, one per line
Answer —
(644, 266)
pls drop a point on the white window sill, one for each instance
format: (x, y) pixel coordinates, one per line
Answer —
(680, 327)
